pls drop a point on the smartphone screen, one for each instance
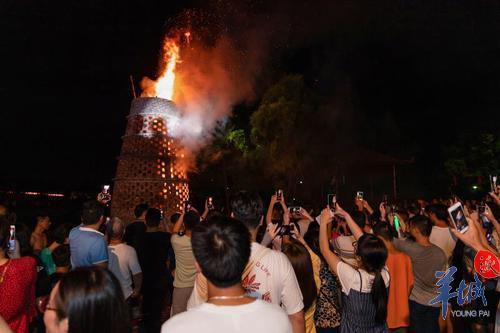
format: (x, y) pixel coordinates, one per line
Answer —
(457, 215)
(331, 200)
(359, 195)
(279, 195)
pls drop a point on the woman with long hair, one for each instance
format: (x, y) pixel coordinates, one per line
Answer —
(86, 300)
(365, 288)
(306, 266)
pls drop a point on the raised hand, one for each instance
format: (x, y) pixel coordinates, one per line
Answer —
(326, 216)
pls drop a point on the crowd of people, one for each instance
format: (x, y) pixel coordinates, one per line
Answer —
(284, 269)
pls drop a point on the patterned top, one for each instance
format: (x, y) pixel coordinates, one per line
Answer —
(18, 287)
(328, 310)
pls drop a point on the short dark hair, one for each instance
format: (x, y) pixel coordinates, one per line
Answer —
(61, 233)
(359, 218)
(92, 212)
(222, 247)
(191, 220)
(92, 300)
(175, 217)
(422, 223)
(383, 230)
(153, 217)
(247, 208)
(140, 209)
(441, 211)
(312, 238)
(61, 256)
(41, 214)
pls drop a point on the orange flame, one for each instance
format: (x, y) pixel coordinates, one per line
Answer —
(164, 87)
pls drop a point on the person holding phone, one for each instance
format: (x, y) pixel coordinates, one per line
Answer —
(365, 286)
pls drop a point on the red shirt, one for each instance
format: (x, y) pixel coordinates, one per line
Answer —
(17, 292)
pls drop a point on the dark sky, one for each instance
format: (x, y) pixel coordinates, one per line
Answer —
(428, 69)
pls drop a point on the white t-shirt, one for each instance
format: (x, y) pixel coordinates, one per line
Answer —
(444, 239)
(271, 279)
(349, 278)
(254, 317)
(123, 264)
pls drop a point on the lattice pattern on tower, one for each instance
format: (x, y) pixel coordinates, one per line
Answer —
(151, 164)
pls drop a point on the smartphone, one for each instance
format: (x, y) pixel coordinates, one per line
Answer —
(294, 210)
(493, 184)
(279, 195)
(286, 230)
(210, 203)
(481, 209)
(331, 201)
(359, 195)
(187, 206)
(105, 188)
(12, 238)
(458, 219)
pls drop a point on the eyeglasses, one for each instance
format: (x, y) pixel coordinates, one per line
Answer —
(42, 305)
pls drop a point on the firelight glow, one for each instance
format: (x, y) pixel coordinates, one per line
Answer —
(165, 83)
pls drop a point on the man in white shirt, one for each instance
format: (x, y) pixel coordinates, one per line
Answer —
(123, 262)
(222, 249)
(269, 275)
(441, 235)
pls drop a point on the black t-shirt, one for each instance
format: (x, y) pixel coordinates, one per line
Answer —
(153, 252)
(134, 232)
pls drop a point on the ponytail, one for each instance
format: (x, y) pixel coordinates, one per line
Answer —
(373, 254)
(379, 297)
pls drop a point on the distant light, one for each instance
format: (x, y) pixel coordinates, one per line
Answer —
(300, 182)
(474, 187)
(57, 195)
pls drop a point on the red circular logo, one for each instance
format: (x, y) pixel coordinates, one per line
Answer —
(487, 264)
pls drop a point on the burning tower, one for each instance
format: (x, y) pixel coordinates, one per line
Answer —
(150, 166)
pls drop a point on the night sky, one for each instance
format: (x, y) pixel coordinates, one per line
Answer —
(429, 69)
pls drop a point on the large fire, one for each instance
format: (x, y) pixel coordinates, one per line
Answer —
(163, 87)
